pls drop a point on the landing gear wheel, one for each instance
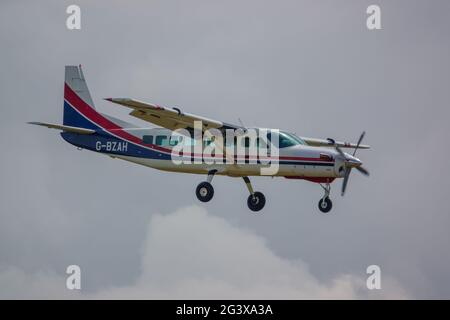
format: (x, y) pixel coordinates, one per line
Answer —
(256, 201)
(204, 191)
(325, 205)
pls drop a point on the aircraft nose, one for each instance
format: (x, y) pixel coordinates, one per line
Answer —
(352, 161)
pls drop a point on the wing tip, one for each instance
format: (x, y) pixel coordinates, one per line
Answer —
(36, 123)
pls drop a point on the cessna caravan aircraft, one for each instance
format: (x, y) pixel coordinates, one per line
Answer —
(180, 142)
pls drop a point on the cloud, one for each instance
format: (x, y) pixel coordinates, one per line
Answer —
(190, 254)
(17, 284)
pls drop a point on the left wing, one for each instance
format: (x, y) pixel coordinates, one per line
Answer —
(171, 119)
(63, 127)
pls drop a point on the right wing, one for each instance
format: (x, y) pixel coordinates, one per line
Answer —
(171, 119)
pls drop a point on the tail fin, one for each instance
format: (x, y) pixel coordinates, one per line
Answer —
(80, 115)
(75, 84)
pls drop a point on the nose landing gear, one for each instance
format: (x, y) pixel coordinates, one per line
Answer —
(325, 203)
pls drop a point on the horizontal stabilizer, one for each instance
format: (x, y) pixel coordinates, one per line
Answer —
(64, 128)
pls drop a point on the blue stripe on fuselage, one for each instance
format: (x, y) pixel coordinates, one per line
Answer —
(104, 142)
(111, 144)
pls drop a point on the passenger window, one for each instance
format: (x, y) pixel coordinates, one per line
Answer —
(147, 139)
(207, 142)
(246, 142)
(161, 140)
(189, 141)
(260, 143)
(174, 140)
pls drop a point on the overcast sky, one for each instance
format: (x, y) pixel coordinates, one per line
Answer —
(311, 67)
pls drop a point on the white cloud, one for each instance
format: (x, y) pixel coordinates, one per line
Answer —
(17, 284)
(190, 254)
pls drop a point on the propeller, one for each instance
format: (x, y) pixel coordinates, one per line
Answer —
(359, 142)
(350, 163)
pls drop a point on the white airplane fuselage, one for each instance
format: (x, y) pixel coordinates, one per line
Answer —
(318, 164)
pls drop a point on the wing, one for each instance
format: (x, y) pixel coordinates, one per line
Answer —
(171, 119)
(331, 143)
(64, 128)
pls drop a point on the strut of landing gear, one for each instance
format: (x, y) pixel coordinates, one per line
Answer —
(325, 203)
(205, 190)
(256, 200)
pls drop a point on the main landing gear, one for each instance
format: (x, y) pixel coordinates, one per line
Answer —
(256, 200)
(325, 203)
(205, 190)
(205, 193)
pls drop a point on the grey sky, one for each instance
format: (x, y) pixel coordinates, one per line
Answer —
(311, 67)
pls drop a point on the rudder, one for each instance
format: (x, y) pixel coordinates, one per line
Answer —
(75, 83)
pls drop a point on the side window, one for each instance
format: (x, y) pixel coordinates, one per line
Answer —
(147, 139)
(174, 140)
(188, 141)
(228, 142)
(260, 143)
(271, 136)
(207, 142)
(245, 142)
(161, 140)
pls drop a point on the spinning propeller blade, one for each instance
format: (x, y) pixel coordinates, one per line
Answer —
(344, 183)
(359, 142)
(341, 152)
(349, 164)
(362, 170)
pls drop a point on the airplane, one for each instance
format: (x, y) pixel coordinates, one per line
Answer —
(316, 160)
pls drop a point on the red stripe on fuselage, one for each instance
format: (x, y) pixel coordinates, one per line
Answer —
(100, 120)
(313, 179)
(114, 129)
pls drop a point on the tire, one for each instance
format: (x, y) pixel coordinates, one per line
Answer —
(256, 201)
(325, 206)
(204, 191)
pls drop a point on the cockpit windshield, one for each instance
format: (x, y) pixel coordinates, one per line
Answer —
(294, 137)
(285, 139)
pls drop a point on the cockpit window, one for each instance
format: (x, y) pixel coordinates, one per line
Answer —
(174, 140)
(294, 137)
(285, 139)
